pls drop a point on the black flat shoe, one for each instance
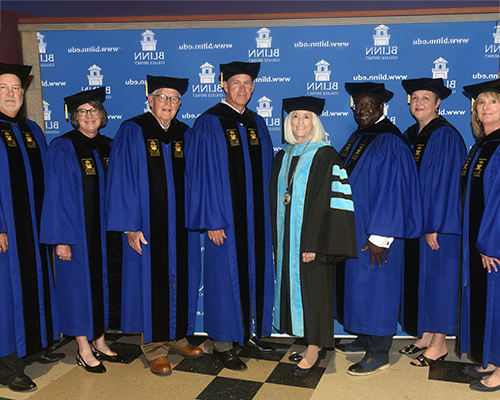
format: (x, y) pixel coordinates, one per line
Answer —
(296, 357)
(22, 384)
(297, 371)
(230, 360)
(257, 346)
(98, 369)
(477, 385)
(101, 356)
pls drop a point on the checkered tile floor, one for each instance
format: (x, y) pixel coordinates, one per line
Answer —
(267, 377)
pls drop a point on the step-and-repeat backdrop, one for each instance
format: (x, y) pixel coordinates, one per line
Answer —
(295, 61)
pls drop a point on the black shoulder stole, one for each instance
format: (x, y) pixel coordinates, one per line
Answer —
(23, 222)
(87, 160)
(237, 176)
(368, 134)
(419, 141)
(154, 135)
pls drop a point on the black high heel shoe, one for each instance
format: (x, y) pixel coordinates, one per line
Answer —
(297, 371)
(296, 357)
(101, 356)
(98, 369)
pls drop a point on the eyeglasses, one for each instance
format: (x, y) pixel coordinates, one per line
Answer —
(367, 107)
(82, 112)
(162, 98)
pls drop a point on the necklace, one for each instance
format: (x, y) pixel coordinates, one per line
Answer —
(287, 197)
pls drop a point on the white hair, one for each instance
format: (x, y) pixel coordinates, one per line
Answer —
(317, 133)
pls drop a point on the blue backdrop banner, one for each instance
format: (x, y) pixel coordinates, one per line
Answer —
(295, 61)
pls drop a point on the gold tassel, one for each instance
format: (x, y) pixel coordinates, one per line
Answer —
(146, 88)
(472, 104)
(409, 99)
(221, 81)
(352, 102)
(66, 111)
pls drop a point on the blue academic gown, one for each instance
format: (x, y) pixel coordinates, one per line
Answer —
(70, 218)
(386, 195)
(480, 290)
(433, 305)
(145, 164)
(28, 317)
(239, 291)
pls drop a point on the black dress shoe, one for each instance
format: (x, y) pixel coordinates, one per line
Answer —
(230, 360)
(297, 371)
(259, 347)
(296, 357)
(101, 356)
(98, 369)
(49, 358)
(22, 384)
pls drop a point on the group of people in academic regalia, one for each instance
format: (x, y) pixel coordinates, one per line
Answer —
(100, 234)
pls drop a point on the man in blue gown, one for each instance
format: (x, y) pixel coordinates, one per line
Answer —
(230, 156)
(161, 260)
(28, 323)
(386, 195)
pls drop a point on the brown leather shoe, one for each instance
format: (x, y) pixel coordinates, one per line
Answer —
(160, 366)
(188, 351)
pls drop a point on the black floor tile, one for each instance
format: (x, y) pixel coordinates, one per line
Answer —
(207, 365)
(449, 371)
(230, 389)
(128, 351)
(282, 376)
(196, 340)
(281, 349)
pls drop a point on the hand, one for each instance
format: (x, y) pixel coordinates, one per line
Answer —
(217, 236)
(308, 257)
(63, 251)
(135, 239)
(4, 243)
(375, 252)
(432, 240)
(489, 263)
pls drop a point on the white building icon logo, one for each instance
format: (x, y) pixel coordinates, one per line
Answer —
(207, 75)
(46, 111)
(381, 37)
(148, 41)
(95, 78)
(264, 109)
(496, 34)
(322, 72)
(147, 108)
(41, 45)
(440, 70)
(263, 40)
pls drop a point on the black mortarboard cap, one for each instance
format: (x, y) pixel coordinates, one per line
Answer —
(167, 82)
(21, 71)
(306, 103)
(433, 85)
(238, 67)
(370, 88)
(77, 99)
(489, 86)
